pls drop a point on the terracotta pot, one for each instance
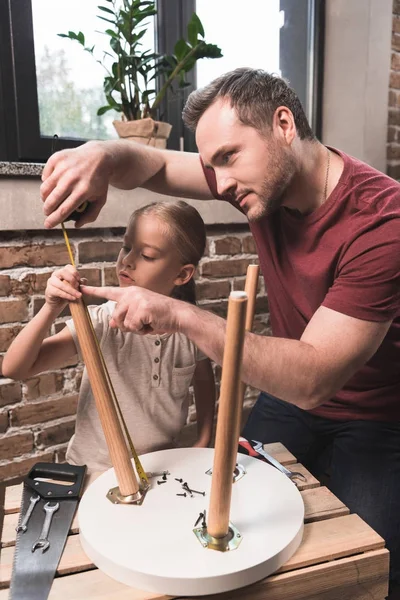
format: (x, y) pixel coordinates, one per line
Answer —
(146, 131)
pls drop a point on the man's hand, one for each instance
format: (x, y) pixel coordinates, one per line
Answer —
(71, 177)
(140, 310)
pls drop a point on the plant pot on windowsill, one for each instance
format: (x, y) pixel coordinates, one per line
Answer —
(146, 131)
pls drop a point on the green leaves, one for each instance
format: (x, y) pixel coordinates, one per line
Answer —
(127, 85)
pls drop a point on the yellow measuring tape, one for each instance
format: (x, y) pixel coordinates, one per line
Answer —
(141, 472)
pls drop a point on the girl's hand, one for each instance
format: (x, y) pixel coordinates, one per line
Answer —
(63, 287)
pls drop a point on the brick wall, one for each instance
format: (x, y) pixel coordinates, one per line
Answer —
(393, 145)
(37, 417)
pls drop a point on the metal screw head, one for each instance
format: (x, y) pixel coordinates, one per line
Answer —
(49, 493)
(70, 492)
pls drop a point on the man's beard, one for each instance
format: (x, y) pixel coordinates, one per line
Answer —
(273, 193)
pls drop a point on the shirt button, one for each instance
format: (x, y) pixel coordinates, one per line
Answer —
(155, 377)
(156, 360)
(157, 342)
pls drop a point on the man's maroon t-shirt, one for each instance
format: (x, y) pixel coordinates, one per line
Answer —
(346, 256)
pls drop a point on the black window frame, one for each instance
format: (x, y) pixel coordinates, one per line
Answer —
(20, 138)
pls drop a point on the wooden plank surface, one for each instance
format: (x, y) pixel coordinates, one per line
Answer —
(340, 556)
(362, 577)
(322, 541)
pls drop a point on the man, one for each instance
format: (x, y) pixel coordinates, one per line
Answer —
(327, 232)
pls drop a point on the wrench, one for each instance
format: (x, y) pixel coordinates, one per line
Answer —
(258, 447)
(23, 526)
(42, 541)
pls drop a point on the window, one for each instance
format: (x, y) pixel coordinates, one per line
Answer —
(50, 85)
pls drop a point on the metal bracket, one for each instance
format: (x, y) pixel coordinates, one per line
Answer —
(238, 473)
(114, 495)
(229, 542)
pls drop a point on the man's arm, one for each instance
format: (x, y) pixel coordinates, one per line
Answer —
(305, 372)
(72, 177)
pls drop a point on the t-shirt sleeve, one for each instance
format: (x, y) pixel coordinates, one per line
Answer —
(367, 282)
(99, 317)
(199, 354)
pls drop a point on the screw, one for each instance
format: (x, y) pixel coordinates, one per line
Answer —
(180, 480)
(160, 482)
(164, 477)
(184, 495)
(199, 519)
(49, 493)
(70, 492)
(186, 487)
(197, 492)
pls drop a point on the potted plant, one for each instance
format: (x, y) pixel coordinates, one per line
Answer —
(130, 84)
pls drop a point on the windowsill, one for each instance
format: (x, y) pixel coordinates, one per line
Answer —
(21, 208)
(20, 169)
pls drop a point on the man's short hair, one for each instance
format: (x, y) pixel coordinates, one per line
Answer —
(254, 94)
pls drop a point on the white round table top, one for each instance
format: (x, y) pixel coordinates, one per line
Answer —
(153, 546)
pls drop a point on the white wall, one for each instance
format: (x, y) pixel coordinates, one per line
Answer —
(356, 77)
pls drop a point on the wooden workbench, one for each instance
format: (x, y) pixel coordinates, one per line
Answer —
(340, 557)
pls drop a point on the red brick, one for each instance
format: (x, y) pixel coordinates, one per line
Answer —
(227, 245)
(110, 276)
(7, 334)
(261, 304)
(17, 468)
(98, 251)
(395, 61)
(33, 255)
(394, 117)
(37, 304)
(394, 171)
(396, 25)
(394, 81)
(393, 152)
(225, 268)
(5, 285)
(240, 282)
(36, 282)
(212, 290)
(55, 434)
(3, 421)
(48, 410)
(218, 308)
(395, 42)
(93, 276)
(10, 392)
(16, 445)
(13, 310)
(249, 245)
(393, 99)
(392, 134)
(43, 385)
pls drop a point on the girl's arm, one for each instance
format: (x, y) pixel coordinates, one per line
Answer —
(32, 352)
(204, 395)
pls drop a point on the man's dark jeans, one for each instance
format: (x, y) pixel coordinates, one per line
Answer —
(361, 457)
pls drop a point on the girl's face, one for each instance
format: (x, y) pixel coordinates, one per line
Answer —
(149, 259)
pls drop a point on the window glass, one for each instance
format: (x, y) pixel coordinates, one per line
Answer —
(247, 33)
(69, 80)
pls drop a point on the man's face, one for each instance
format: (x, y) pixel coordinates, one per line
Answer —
(254, 170)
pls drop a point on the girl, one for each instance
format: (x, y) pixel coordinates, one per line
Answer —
(151, 374)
